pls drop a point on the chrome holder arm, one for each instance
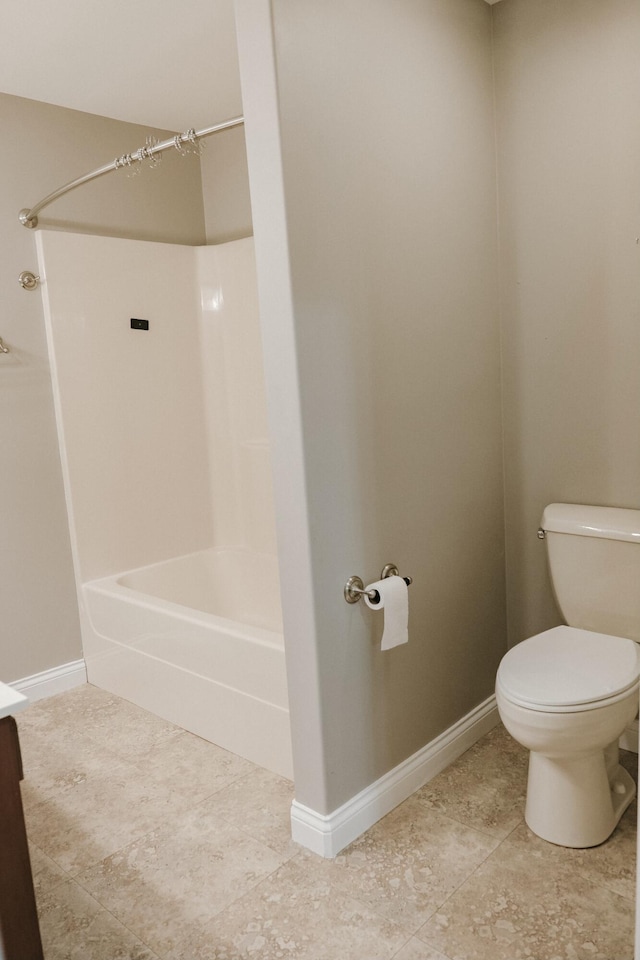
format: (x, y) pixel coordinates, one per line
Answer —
(354, 590)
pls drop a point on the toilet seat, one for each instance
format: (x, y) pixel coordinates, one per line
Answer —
(567, 670)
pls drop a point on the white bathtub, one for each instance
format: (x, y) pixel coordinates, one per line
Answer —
(198, 641)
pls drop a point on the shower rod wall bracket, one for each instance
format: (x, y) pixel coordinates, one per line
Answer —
(28, 280)
(26, 220)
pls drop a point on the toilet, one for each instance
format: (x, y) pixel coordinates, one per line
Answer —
(567, 694)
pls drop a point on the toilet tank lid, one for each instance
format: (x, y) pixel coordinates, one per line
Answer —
(609, 523)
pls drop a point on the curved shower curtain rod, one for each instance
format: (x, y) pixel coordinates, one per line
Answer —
(29, 218)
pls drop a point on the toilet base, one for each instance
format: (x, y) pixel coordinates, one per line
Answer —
(577, 801)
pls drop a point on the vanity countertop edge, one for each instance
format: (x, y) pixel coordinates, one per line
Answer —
(10, 701)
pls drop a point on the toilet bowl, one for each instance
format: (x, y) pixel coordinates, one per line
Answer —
(567, 695)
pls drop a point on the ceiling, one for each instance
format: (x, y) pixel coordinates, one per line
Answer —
(162, 64)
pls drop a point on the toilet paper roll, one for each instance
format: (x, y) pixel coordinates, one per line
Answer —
(394, 600)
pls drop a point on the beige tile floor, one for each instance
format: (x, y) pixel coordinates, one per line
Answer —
(150, 844)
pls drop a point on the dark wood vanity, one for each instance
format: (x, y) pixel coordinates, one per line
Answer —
(19, 930)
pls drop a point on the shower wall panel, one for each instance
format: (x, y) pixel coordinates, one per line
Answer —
(238, 440)
(163, 430)
(130, 402)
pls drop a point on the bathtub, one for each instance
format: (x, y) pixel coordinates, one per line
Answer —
(198, 641)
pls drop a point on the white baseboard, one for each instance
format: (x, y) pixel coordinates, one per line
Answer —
(50, 682)
(328, 834)
(629, 739)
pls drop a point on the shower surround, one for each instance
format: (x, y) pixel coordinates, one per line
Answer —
(159, 392)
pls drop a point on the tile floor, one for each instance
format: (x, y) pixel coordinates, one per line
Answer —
(151, 844)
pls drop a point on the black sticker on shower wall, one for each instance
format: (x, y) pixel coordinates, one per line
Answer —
(139, 324)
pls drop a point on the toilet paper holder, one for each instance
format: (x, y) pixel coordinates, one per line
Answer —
(354, 587)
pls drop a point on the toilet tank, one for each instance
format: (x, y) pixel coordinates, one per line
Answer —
(594, 559)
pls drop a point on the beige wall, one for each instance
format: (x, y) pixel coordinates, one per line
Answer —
(225, 187)
(567, 81)
(44, 147)
(389, 184)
